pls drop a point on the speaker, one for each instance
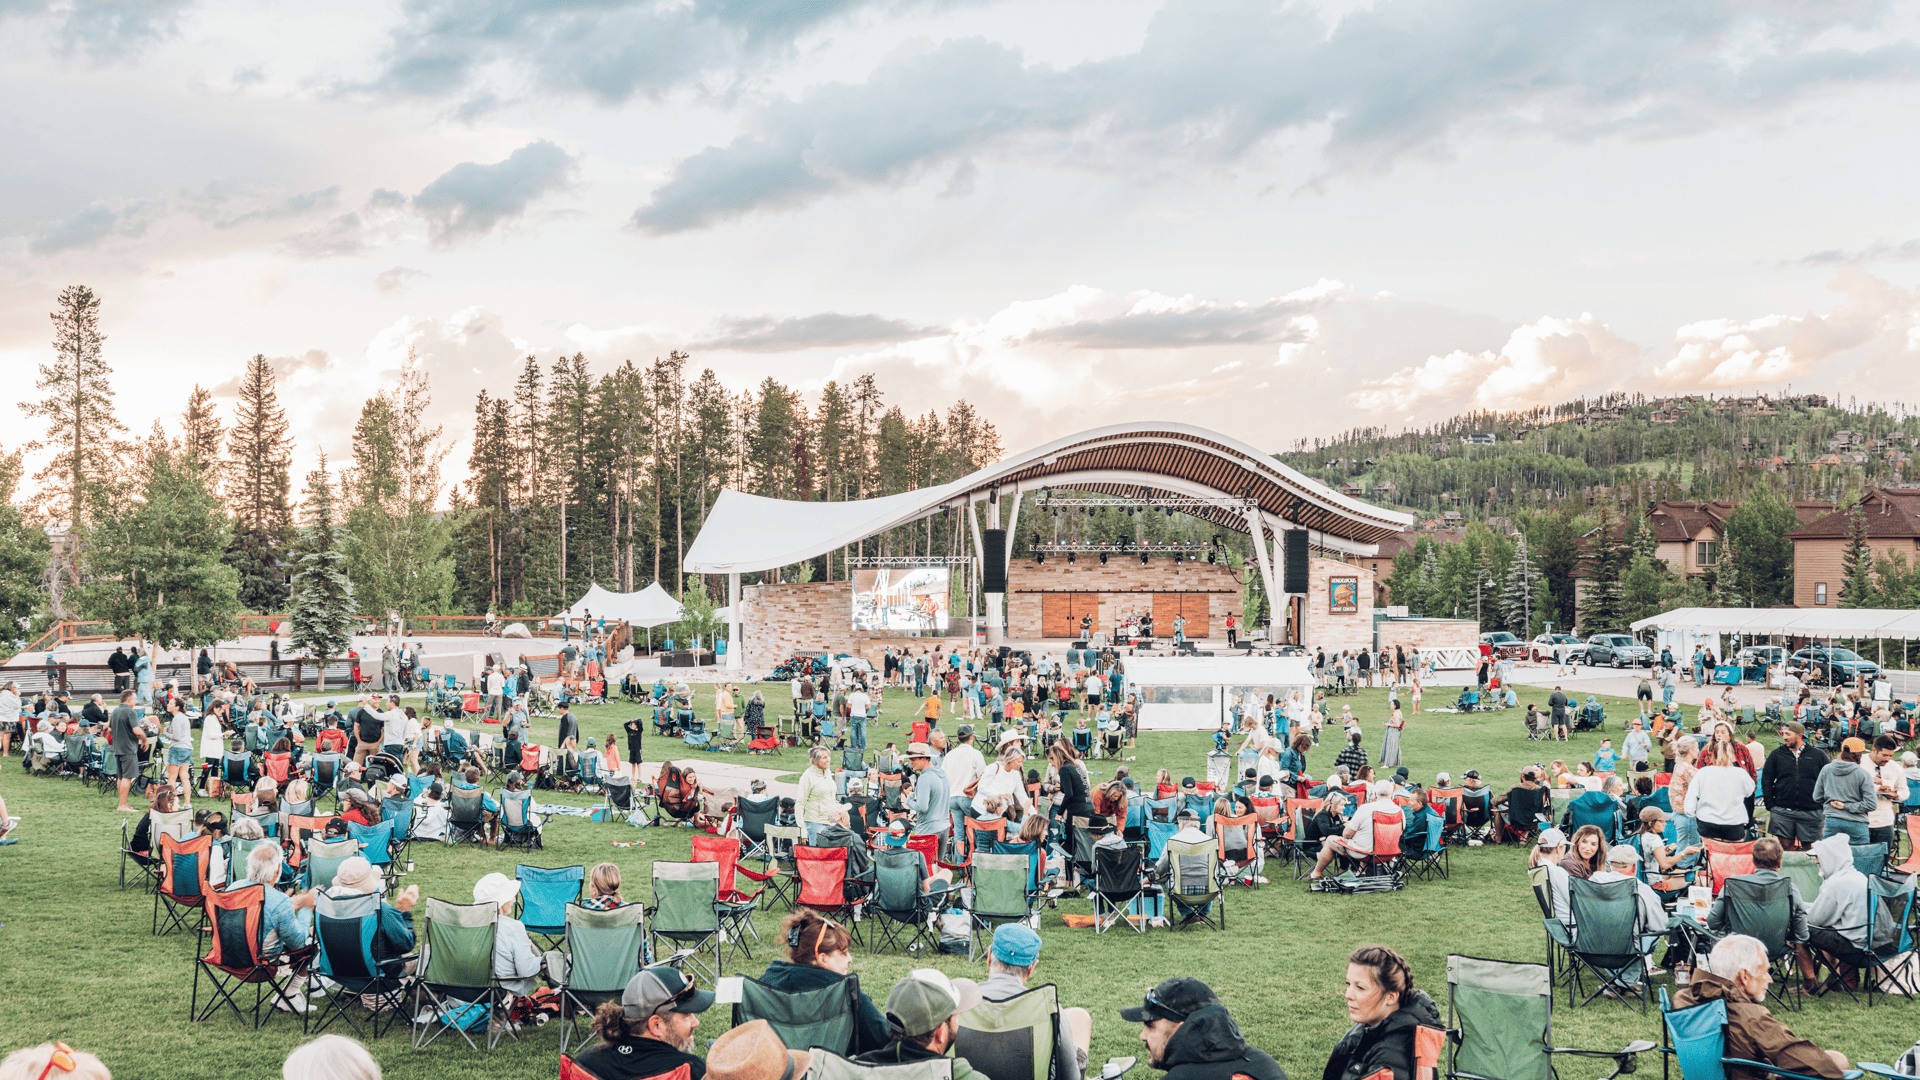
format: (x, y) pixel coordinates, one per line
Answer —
(1295, 541)
(993, 552)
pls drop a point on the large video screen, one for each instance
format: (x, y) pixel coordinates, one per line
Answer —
(900, 598)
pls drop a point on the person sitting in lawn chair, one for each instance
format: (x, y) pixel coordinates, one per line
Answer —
(1737, 972)
(1468, 701)
(1590, 716)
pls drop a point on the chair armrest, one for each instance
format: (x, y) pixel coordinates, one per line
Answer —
(1637, 1046)
(1884, 1070)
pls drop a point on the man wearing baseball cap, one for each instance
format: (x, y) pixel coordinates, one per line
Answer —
(1192, 1036)
(930, 801)
(1010, 964)
(923, 1013)
(649, 1031)
(1787, 778)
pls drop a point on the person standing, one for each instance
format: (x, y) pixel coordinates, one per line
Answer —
(1365, 664)
(857, 704)
(129, 738)
(930, 797)
(10, 720)
(1233, 632)
(1890, 785)
(142, 676)
(1390, 741)
(817, 797)
(121, 667)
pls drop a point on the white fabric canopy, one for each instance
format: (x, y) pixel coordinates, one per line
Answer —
(1902, 623)
(651, 606)
(1218, 671)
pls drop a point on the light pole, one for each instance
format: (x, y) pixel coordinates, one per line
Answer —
(1476, 596)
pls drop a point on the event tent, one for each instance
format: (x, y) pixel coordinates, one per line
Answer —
(1816, 623)
(650, 607)
(1195, 693)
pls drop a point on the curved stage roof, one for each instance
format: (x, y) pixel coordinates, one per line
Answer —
(745, 533)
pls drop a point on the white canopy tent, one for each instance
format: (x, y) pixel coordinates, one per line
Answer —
(650, 607)
(1820, 623)
(1196, 693)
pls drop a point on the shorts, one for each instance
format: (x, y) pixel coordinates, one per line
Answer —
(1092, 700)
(9, 727)
(1645, 695)
(179, 755)
(1802, 825)
(126, 766)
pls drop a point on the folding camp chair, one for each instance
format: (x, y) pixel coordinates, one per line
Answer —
(825, 1017)
(1726, 859)
(1273, 832)
(1385, 857)
(735, 906)
(1764, 910)
(299, 830)
(1869, 859)
(399, 811)
(1476, 816)
(1607, 940)
(1890, 910)
(1695, 1038)
(183, 887)
(686, 912)
(1003, 892)
(464, 807)
(327, 769)
(898, 910)
(236, 958)
(1014, 1039)
(618, 791)
(457, 990)
(175, 823)
(519, 825)
(754, 815)
(981, 836)
(237, 772)
(781, 880)
(823, 884)
(1162, 823)
(1559, 936)
(1193, 883)
(1912, 865)
(323, 859)
(1500, 1023)
(344, 930)
(545, 895)
(603, 955)
(377, 846)
(1426, 855)
(831, 1066)
(1119, 884)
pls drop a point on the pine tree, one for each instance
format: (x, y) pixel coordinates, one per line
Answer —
(1516, 594)
(1729, 590)
(258, 484)
(81, 427)
(154, 564)
(200, 436)
(1607, 563)
(323, 614)
(398, 544)
(23, 554)
(1856, 586)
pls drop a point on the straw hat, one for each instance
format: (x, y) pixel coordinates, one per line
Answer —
(754, 1051)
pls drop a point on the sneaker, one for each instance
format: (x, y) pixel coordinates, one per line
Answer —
(293, 1003)
(1259, 880)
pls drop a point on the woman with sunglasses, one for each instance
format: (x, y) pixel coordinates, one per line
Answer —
(53, 1061)
(819, 953)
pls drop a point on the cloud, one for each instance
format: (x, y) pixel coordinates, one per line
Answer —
(1162, 322)
(1881, 251)
(104, 30)
(1397, 79)
(95, 223)
(829, 329)
(394, 282)
(1779, 348)
(351, 233)
(293, 206)
(468, 200)
(607, 52)
(1546, 361)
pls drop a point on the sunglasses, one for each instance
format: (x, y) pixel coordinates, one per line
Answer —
(62, 1057)
(1153, 1000)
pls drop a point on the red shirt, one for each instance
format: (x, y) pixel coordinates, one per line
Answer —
(330, 739)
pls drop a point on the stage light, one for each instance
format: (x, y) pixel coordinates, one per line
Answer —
(1143, 558)
(1212, 558)
(1178, 558)
(1070, 559)
(1103, 558)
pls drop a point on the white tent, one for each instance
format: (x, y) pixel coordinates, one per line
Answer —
(1817, 623)
(650, 607)
(1194, 693)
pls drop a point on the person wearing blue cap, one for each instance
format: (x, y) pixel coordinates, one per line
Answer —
(1010, 963)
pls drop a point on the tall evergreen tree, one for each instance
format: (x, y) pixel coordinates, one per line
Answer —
(1856, 586)
(1729, 588)
(82, 429)
(259, 481)
(1757, 531)
(154, 564)
(1607, 561)
(1516, 593)
(200, 437)
(397, 546)
(323, 612)
(23, 556)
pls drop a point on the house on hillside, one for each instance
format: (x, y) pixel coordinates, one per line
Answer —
(1689, 537)
(1819, 546)
(1812, 401)
(1846, 440)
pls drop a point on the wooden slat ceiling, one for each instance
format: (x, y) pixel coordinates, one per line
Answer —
(1199, 461)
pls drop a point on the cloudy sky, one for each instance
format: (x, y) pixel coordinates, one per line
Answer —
(1279, 220)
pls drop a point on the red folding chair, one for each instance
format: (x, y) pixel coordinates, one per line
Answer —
(1249, 826)
(278, 766)
(1726, 859)
(1912, 865)
(236, 959)
(735, 907)
(1385, 856)
(823, 884)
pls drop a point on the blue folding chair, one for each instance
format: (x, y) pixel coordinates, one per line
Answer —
(344, 930)
(1696, 1039)
(377, 845)
(545, 893)
(237, 771)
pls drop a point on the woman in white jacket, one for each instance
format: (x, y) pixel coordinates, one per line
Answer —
(818, 794)
(1717, 798)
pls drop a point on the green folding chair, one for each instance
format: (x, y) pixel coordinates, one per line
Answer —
(831, 1066)
(1193, 885)
(686, 913)
(603, 955)
(1013, 1039)
(1803, 870)
(1608, 941)
(825, 1017)
(1764, 910)
(1001, 894)
(1500, 1023)
(457, 990)
(323, 860)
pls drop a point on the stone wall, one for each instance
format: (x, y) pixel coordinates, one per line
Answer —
(779, 620)
(1124, 586)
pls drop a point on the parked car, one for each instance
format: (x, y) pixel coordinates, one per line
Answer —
(1828, 666)
(1541, 648)
(1505, 645)
(1760, 656)
(1618, 650)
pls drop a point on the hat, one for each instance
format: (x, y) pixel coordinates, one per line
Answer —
(1856, 744)
(1099, 823)
(1443, 780)
(1016, 944)
(1470, 774)
(966, 731)
(1794, 726)
(1011, 736)
(1624, 853)
(1910, 758)
(1187, 782)
(357, 875)
(919, 749)
(925, 999)
(662, 989)
(753, 1051)
(1402, 772)
(1552, 838)
(1174, 999)
(496, 889)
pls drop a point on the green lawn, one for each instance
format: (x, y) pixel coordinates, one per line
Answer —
(81, 965)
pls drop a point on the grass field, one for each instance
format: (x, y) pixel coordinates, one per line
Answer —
(80, 964)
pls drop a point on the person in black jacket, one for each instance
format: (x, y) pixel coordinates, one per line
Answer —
(1385, 1009)
(1192, 1036)
(1788, 778)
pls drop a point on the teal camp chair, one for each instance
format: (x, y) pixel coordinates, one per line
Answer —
(344, 931)
(545, 896)
(603, 955)
(1607, 940)
(825, 1017)
(1696, 1040)
(1500, 1023)
(457, 990)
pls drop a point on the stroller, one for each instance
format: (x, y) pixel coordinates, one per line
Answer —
(1590, 717)
(677, 795)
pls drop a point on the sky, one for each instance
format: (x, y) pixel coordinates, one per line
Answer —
(1277, 220)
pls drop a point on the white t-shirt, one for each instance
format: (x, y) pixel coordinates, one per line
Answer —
(963, 764)
(998, 781)
(211, 745)
(1362, 839)
(1094, 686)
(858, 703)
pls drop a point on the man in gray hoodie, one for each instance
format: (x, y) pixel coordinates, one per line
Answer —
(1837, 922)
(1845, 792)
